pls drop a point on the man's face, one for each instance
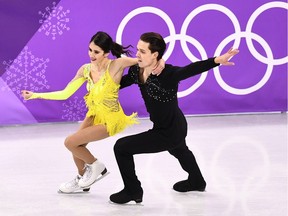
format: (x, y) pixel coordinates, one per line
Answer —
(144, 55)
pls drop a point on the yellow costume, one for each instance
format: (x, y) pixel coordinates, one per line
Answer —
(101, 100)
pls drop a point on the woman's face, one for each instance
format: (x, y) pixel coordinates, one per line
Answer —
(95, 53)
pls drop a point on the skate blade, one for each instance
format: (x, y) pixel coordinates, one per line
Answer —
(81, 191)
(99, 178)
(131, 203)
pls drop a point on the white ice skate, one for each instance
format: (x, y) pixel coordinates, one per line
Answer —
(72, 186)
(93, 172)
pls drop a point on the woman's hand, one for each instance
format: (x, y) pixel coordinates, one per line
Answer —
(224, 59)
(158, 67)
(26, 94)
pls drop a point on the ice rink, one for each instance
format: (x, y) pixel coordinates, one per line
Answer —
(242, 157)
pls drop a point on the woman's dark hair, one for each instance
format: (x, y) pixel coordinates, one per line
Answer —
(156, 43)
(105, 42)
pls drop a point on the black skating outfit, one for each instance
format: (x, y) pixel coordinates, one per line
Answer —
(169, 123)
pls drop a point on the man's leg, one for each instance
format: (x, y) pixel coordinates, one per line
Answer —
(124, 149)
(195, 181)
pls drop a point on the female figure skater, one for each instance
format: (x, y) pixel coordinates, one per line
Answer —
(105, 116)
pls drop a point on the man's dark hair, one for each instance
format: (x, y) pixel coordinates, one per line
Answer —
(156, 43)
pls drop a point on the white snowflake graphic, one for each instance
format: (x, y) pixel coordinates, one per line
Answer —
(54, 21)
(3, 85)
(74, 109)
(26, 72)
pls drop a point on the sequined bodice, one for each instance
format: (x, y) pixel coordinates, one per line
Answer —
(103, 94)
(154, 88)
(160, 93)
(103, 104)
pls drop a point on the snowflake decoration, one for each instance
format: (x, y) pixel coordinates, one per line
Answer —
(54, 21)
(26, 72)
(3, 85)
(74, 110)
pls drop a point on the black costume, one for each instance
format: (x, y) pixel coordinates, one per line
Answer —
(169, 124)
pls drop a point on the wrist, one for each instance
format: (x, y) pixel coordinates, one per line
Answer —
(34, 96)
(217, 60)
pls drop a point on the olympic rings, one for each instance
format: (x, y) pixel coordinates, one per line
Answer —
(203, 8)
(153, 10)
(249, 30)
(236, 36)
(261, 82)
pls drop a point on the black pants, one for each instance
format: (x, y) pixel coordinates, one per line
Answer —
(152, 142)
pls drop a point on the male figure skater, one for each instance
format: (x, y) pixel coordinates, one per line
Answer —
(169, 123)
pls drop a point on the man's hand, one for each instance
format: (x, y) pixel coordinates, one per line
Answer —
(224, 59)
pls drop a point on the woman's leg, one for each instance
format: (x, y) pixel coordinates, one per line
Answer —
(78, 141)
(80, 164)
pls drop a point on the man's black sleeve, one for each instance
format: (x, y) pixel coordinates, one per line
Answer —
(193, 69)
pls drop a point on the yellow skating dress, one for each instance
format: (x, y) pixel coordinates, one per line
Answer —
(103, 104)
(101, 100)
